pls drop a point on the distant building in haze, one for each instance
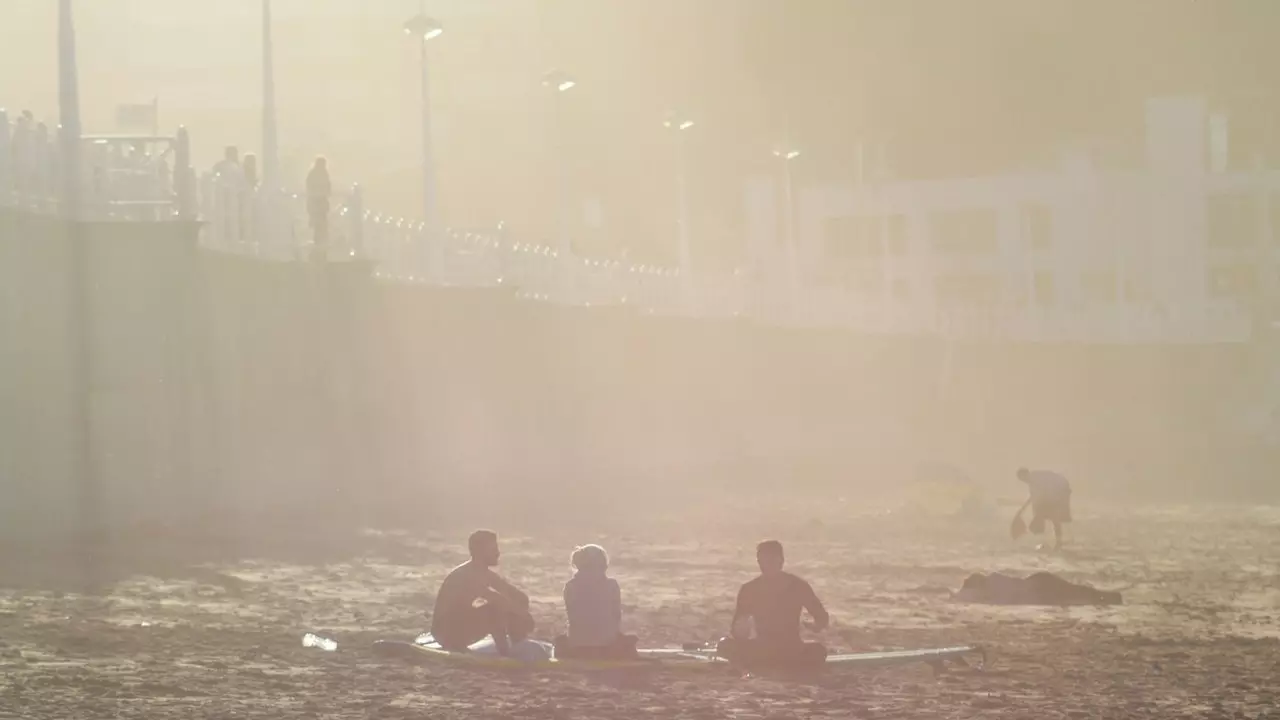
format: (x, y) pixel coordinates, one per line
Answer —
(1182, 249)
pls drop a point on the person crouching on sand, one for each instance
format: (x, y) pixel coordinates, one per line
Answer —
(1050, 501)
(593, 603)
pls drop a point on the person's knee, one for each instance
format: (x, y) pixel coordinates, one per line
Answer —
(815, 653)
(729, 648)
(519, 624)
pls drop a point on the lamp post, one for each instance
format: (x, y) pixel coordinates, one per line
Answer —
(69, 111)
(270, 136)
(787, 155)
(679, 124)
(425, 29)
(559, 82)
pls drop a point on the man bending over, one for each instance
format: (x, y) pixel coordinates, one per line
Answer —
(474, 602)
(774, 601)
(1050, 501)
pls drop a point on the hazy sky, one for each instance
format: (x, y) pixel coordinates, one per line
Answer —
(956, 87)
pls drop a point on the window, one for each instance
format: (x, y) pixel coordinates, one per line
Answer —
(853, 238)
(1037, 226)
(966, 289)
(1099, 287)
(1232, 221)
(1232, 281)
(1044, 289)
(896, 234)
(1275, 218)
(964, 232)
(901, 289)
(1135, 290)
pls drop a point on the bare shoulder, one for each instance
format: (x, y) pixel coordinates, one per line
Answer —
(467, 576)
(799, 583)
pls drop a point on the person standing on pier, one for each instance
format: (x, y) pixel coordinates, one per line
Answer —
(319, 188)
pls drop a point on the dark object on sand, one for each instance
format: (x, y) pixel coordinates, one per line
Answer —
(1041, 588)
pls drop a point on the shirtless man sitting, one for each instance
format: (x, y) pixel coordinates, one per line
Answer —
(474, 602)
(774, 601)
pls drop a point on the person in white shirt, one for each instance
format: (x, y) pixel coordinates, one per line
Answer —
(1050, 501)
(593, 604)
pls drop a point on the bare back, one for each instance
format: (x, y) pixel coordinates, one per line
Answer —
(467, 583)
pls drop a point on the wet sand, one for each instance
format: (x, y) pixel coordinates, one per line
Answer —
(182, 625)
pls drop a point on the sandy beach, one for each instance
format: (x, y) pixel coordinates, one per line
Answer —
(184, 624)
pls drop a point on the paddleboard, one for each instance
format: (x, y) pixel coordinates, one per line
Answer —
(531, 654)
(538, 654)
(932, 656)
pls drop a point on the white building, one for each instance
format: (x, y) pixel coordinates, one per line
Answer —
(1174, 252)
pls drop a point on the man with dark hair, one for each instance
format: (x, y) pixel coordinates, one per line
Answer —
(1050, 501)
(773, 601)
(474, 602)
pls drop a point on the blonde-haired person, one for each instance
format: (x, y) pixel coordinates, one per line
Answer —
(593, 603)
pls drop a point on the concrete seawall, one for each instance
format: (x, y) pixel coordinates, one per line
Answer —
(225, 386)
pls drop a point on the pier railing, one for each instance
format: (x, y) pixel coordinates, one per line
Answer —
(151, 178)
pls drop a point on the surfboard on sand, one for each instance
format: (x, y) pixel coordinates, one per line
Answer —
(934, 657)
(530, 654)
(534, 654)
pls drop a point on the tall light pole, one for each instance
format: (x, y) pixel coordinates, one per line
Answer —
(425, 29)
(558, 83)
(69, 111)
(270, 136)
(788, 155)
(679, 125)
(85, 468)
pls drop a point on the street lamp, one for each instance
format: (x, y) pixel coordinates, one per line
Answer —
(560, 82)
(678, 124)
(425, 29)
(788, 155)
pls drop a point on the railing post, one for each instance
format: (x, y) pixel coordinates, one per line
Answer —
(6, 159)
(184, 181)
(355, 220)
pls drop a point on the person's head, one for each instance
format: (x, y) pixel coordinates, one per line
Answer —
(769, 557)
(1024, 474)
(483, 546)
(321, 163)
(590, 559)
(231, 154)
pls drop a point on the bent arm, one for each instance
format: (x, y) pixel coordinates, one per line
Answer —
(740, 612)
(821, 619)
(513, 596)
(615, 601)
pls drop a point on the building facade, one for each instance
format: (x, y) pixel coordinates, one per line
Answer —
(1178, 250)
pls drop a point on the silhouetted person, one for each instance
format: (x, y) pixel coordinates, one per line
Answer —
(42, 162)
(502, 610)
(774, 602)
(593, 604)
(319, 188)
(229, 186)
(22, 146)
(229, 166)
(1050, 501)
(250, 165)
